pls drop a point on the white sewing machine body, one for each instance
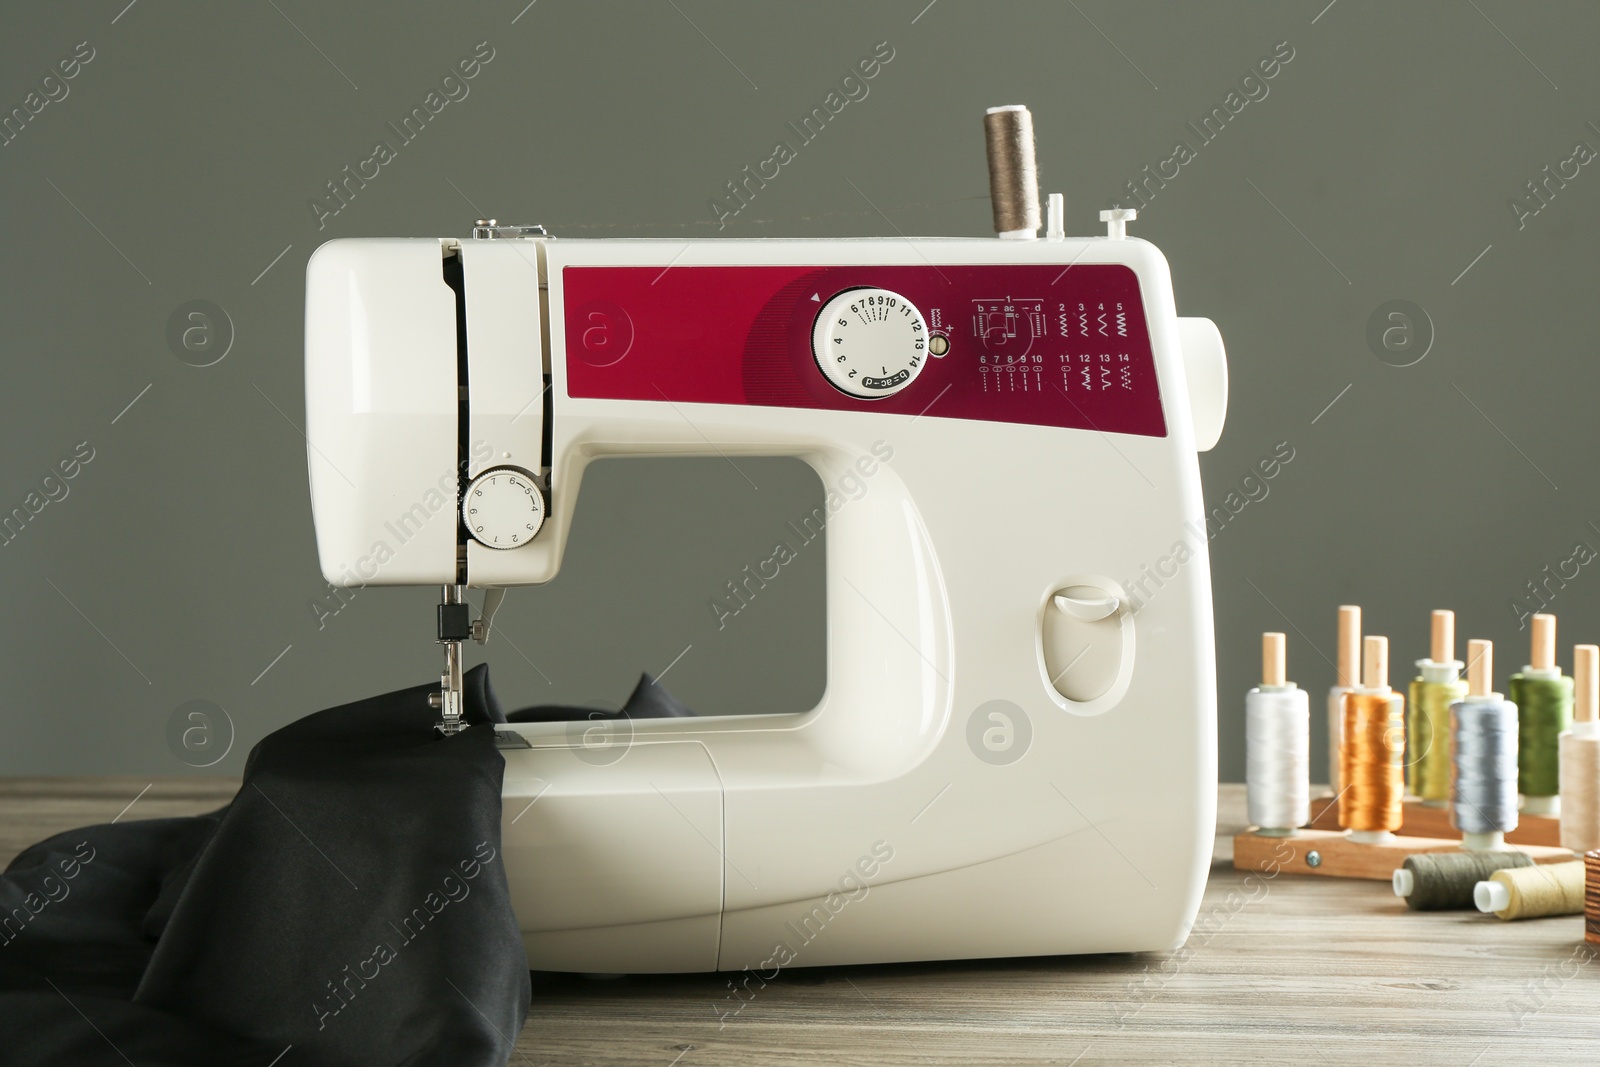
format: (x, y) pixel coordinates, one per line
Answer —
(1051, 450)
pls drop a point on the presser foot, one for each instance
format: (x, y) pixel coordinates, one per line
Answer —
(455, 626)
(449, 724)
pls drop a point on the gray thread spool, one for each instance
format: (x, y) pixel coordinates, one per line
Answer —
(1483, 769)
(1013, 172)
(1445, 882)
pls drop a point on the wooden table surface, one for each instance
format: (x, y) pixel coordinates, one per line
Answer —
(1299, 970)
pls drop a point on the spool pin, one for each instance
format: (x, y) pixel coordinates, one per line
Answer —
(1348, 678)
(1444, 636)
(1349, 646)
(1480, 668)
(1274, 661)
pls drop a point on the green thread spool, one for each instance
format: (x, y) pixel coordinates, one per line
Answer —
(1445, 881)
(1438, 685)
(1544, 710)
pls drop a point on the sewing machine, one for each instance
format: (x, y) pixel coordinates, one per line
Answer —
(1016, 750)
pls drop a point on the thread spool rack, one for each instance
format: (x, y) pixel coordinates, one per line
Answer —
(1322, 848)
(1424, 820)
(1333, 854)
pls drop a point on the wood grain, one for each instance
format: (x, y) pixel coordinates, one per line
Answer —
(1287, 970)
(1331, 854)
(1420, 820)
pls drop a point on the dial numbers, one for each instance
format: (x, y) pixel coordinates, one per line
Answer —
(503, 508)
(870, 343)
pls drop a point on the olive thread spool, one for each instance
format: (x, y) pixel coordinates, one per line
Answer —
(1543, 697)
(1277, 716)
(1483, 757)
(1533, 892)
(1445, 881)
(1437, 686)
(1374, 748)
(1348, 679)
(1580, 756)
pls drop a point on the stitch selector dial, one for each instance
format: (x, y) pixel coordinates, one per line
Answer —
(870, 343)
(503, 507)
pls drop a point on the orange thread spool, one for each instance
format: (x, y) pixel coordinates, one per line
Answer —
(1374, 748)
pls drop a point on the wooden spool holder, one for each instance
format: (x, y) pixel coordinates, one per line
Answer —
(1423, 820)
(1323, 848)
(1336, 856)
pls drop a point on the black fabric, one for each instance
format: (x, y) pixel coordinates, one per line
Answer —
(349, 907)
(648, 701)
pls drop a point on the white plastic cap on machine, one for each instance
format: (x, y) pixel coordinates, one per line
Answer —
(1491, 896)
(1404, 882)
(1205, 362)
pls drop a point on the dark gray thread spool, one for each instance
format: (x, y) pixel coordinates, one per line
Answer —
(1013, 173)
(1444, 881)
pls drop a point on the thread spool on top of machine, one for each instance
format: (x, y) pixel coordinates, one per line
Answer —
(1013, 171)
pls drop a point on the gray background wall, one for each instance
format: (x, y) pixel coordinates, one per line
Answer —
(1379, 167)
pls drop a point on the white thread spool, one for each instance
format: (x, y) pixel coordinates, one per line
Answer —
(1580, 756)
(1277, 730)
(1349, 678)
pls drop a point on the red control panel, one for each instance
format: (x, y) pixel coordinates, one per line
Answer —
(1041, 344)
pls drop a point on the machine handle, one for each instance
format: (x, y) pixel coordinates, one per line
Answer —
(1089, 609)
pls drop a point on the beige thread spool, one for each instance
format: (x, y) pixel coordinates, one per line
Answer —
(1580, 756)
(1013, 171)
(1349, 678)
(1533, 892)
